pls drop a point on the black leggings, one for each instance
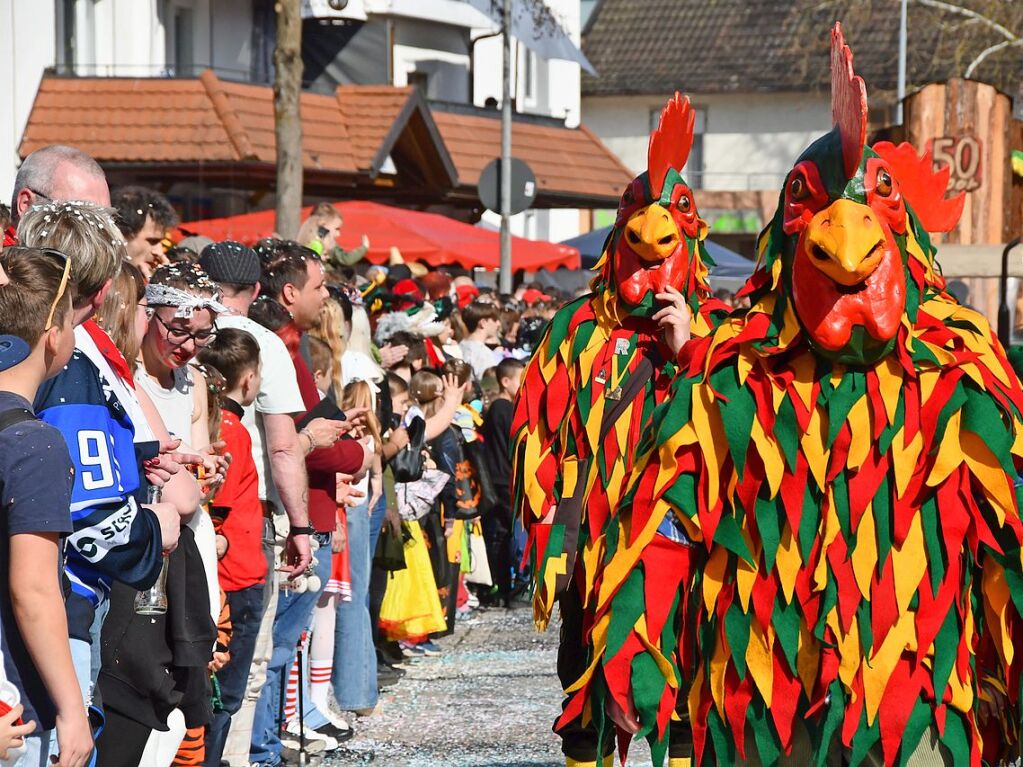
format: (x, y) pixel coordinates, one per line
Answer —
(122, 741)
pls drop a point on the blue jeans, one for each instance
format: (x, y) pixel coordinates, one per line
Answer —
(37, 749)
(246, 614)
(376, 523)
(355, 658)
(294, 616)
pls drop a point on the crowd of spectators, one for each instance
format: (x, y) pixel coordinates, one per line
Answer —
(238, 471)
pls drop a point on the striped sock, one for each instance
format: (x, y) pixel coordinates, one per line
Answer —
(319, 683)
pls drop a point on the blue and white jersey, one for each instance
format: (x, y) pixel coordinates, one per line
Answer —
(114, 538)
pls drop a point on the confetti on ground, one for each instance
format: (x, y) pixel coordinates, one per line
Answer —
(487, 701)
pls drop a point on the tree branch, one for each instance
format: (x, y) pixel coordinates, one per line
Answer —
(988, 51)
(966, 12)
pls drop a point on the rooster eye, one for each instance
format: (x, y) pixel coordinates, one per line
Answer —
(684, 203)
(884, 183)
(798, 189)
(628, 198)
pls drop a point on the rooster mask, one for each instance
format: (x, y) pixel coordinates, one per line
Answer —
(846, 234)
(657, 236)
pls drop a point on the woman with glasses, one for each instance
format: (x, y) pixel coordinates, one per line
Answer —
(182, 304)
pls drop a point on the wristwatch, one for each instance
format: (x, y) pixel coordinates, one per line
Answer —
(306, 530)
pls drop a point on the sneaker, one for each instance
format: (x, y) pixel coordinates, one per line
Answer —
(473, 601)
(289, 747)
(311, 736)
(292, 757)
(429, 648)
(413, 650)
(340, 734)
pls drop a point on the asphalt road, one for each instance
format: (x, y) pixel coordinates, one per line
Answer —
(487, 701)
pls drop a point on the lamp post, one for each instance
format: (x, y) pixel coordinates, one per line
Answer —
(505, 276)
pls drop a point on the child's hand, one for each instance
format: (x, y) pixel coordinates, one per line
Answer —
(12, 736)
(220, 660)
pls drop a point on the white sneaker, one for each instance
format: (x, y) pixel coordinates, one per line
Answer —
(329, 743)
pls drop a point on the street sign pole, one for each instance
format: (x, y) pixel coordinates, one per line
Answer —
(505, 283)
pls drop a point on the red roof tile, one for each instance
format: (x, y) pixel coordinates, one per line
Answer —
(203, 120)
(564, 161)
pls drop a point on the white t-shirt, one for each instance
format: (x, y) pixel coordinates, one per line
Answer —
(278, 393)
(479, 356)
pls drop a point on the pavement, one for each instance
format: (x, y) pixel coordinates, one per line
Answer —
(487, 701)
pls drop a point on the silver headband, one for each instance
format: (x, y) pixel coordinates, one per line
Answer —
(185, 303)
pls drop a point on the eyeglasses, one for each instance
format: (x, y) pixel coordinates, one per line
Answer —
(178, 336)
(37, 193)
(64, 278)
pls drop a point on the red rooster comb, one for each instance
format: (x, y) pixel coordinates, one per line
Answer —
(922, 186)
(848, 103)
(671, 142)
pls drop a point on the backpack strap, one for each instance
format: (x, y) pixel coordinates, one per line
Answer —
(14, 416)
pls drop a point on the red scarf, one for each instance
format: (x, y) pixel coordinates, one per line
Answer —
(10, 237)
(110, 352)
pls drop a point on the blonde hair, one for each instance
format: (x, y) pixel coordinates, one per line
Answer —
(360, 394)
(320, 215)
(85, 232)
(329, 332)
(116, 314)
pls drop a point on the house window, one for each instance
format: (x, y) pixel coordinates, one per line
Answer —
(528, 75)
(179, 25)
(694, 169)
(66, 49)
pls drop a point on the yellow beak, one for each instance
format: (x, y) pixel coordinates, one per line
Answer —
(651, 232)
(845, 241)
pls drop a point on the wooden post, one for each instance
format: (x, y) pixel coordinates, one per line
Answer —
(287, 117)
(967, 125)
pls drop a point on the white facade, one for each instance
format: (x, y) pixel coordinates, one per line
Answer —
(430, 43)
(750, 140)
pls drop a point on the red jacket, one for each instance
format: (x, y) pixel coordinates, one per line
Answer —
(325, 463)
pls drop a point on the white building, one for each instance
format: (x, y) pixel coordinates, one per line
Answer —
(758, 76)
(445, 47)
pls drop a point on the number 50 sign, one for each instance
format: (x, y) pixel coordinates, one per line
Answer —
(962, 155)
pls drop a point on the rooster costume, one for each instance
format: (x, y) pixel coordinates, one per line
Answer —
(843, 460)
(590, 387)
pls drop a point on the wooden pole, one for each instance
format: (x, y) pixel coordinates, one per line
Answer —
(287, 118)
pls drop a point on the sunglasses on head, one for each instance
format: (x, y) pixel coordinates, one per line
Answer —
(65, 278)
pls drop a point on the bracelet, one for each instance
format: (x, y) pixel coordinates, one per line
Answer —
(309, 436)
(305, 530)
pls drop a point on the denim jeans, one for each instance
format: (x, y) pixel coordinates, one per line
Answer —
(246, 614)
(85, 656)
(37, 749)
(294, 615)
(376, 523)
(355, 659)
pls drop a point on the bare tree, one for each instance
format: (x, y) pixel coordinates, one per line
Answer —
(287, 118)
(978, 39)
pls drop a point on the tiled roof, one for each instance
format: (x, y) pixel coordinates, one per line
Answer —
(368, 111)
(350, 132)
(736, 46)
(563, 161)
(129, 120)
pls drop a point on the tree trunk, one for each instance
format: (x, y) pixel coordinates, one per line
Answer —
(287, 119)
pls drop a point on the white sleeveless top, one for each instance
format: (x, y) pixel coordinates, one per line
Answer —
(176, 406)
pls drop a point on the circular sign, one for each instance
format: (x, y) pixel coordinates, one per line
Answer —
(523, 186)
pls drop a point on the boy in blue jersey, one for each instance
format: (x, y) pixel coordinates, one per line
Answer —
(92, 403)
(35, 490)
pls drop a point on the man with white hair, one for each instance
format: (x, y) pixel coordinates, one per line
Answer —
(56, 172)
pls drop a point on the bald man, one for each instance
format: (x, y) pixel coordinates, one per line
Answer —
(57, 172)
